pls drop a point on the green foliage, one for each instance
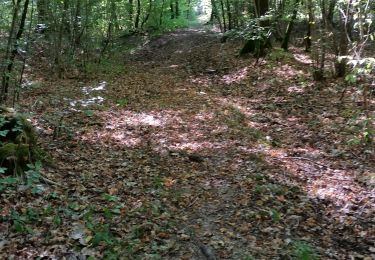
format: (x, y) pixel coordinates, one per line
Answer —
(122, 102)
(108, 68)
(362, 128)
(257, 38)
(303, 251)
(275, 215)
(17, 143)
(33, 176)
(102, 234)
(278, 54)
(89, 113)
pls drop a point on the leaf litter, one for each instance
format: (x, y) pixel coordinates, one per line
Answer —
(195, 154)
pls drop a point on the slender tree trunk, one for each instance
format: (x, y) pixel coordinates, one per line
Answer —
(16, 94)
(138, 14)
(229, 13)
(340, 64)
(12, 56)
(289, 29)
(223, 15)
(130, 11)
(236, 14)
(77, 25)
(66, 21)
(309, 26)
(177, 10)
(172, 10)
(215, 14)
(321, 55)
(148, 14)
(59, 40)
(161, 13)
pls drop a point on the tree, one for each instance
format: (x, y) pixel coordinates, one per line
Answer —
(11, 55)
(289, 29)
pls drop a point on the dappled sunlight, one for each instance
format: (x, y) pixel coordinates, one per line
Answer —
(83, 103)
(323, 181)
(296, 89)
(194, 146)
(91, 97)
(180, 142)
(204, 81)
(303, 58)
(100, 87)
(287, 72)
(162, 129)
(235, 77)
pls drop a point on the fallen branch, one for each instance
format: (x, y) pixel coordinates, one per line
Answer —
(48, 181)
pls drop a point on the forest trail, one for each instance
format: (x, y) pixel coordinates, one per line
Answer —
(187, 152)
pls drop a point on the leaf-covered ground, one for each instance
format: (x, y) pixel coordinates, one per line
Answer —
(184, 151)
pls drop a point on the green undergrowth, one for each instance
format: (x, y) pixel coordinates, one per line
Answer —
(18, 143)
(107, 69)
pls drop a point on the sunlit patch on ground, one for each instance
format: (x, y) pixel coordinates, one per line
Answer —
(296, 89)
(235, 77)
(303, 58)
(287, 72)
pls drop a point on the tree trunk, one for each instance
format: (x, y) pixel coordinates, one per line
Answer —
(257, 46)
(148, 14)
(340, 64)
(12, 56)
(171, 10)
(77, 26)
(310, 24)
(223, 16)
(230, 21)
(138, 14)
(215, 14)
(177, 10)
(161, 13)
(289, 29)
(130, 11)
(261, 7)
(321, 56)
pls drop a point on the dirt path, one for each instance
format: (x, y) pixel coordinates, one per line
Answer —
(195, 154)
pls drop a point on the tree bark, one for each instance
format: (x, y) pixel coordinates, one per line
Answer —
(130, 11)
(261, 7)
(171, 10)
(289, 29)
(310, 24)
(223, 16)
(229, 13)
(148, 14)
(13, 54)
(138, 14)
(177, 10)
(161, 13)
(215, 14)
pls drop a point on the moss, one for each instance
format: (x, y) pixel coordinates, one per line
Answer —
(17, 142)
(14, 150)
